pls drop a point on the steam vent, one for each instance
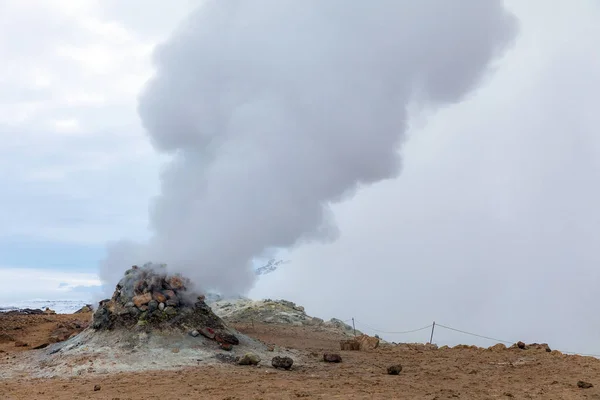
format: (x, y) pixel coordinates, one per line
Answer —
(147, 299)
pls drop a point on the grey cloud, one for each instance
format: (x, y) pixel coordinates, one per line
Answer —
(272, 110)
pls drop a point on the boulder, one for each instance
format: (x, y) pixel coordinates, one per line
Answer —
(351, 344)
(394, 369)
(176, 283)
(521, 345)
(367, 342)
(207, 333)
(159, 297)
(172, 303)
(249, 359)
(225, 337)
(497, 347)
(584, 385)
(170, 294)
(142, 299)
(332, 358)
(282, 362)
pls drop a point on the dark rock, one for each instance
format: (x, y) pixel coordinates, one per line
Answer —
(172, 303)
(226, 346)
(584, 385)
(96, 388)
(521, 345)
(394, 369)
(170, 311)
(18, 343)
(41, 346)
(225, 337)
(282, 362)
(152, 305)
(85, 309)
(332, 358)
(249, 359)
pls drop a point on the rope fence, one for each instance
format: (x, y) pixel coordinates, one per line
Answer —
(437, 325)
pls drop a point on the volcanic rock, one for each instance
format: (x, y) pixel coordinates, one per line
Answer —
(135, 304)
(367, 342)
(521, 345)
(249, 359)
(332, 358)
(225, 337)
(158, 296)
(282, 362)
(142, 299)
(96, 388)
(207, 333)
(584, 385)
(394, 369)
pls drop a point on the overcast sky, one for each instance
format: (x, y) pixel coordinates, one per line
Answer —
(490, 228)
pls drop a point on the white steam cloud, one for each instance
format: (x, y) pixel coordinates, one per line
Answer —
(274, 109)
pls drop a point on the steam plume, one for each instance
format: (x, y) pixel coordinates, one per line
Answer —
(274, 109)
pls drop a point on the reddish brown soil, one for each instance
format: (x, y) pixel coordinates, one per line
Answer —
(426, 374)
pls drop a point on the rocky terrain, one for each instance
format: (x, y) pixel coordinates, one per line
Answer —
(281, 353)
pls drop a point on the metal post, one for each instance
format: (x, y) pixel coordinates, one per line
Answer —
(432, 329)
(353, 326)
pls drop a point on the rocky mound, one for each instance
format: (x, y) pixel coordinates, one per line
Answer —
(148, 298)
(281, 312)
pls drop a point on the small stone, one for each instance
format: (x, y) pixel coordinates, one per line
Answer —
(129, 305)
(143, 308)
(270, 348)
(394, 369)
(282, 362)
(332, 358)
(521, 345)
(584, 385)
(96, 388)
(142, 299)
(249, 359)
(194, 333)
(172, 303)
(161, 306)
(175, 350)
(170, 311)
(170, 294)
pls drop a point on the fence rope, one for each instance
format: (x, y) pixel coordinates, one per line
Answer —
(474, 334)
(463, 332)
(400, 332)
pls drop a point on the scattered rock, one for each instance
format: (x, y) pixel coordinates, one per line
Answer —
(367, 342)
(584, 385)
(207, 333)
(497, 347)
(172, 303)
(176, 282)
(394, 369)
(96, 388)
(227, 358)
(18, 343)
(161, 306)
(226, 346)
(194, 333)
(270, 348)
(152, 305)
(521, 345)
(142, 299)
(85, 309)
(249, 359)
(170, 311)
(48, 311)
(225, 337)
(332, 358)
(282, 362)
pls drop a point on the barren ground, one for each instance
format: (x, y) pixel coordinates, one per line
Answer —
(426, 374)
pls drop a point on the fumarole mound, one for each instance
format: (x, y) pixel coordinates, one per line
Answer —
(148, 299)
